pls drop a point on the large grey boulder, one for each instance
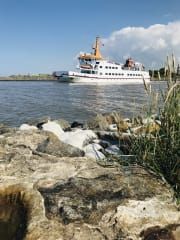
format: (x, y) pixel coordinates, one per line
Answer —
(27, 138)
(52, 145)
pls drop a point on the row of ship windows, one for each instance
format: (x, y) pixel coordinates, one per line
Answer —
(109, 67)
(121, 74)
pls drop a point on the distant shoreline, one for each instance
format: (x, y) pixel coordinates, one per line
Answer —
(38, 77)
(26, 80)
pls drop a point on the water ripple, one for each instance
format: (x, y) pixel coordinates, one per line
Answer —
(23, 101)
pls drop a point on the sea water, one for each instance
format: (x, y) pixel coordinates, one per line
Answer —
(23, 101)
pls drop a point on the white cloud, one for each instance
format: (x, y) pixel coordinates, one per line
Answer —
(148, 45)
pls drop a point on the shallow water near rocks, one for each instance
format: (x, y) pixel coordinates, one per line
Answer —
(23, 101)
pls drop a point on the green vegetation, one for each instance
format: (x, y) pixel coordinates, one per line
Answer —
(160, 152)
(28, 77)
(157, 74)
(168, 72)
(162, 74)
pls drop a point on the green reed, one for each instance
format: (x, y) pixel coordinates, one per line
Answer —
(160, 151)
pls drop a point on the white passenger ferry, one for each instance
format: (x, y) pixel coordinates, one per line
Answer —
(93, 68)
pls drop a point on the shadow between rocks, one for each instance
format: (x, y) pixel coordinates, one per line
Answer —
(158, 233)
(13, 216)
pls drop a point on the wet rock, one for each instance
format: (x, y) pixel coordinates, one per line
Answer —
(52, 145)
(76, 125)
(114, 150)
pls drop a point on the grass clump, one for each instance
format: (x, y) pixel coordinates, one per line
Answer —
(160, 152)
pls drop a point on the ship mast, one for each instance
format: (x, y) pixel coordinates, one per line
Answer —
(97, 53)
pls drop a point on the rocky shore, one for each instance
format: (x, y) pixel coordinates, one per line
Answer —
(62, 181)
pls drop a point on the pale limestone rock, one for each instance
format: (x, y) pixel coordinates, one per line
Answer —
(136, 216)
(94, 154)
(27, 127)
(52, 145)
(75, 198)
(78, 138)
(29, 138)
(92, 146)
(52, 126)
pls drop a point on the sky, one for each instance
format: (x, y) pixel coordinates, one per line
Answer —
(42, 36)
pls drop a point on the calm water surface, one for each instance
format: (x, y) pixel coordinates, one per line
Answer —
(24, 101)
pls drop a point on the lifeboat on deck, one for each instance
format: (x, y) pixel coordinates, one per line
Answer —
(86, 66)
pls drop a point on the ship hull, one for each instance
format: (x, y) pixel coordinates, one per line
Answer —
(98, 80)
